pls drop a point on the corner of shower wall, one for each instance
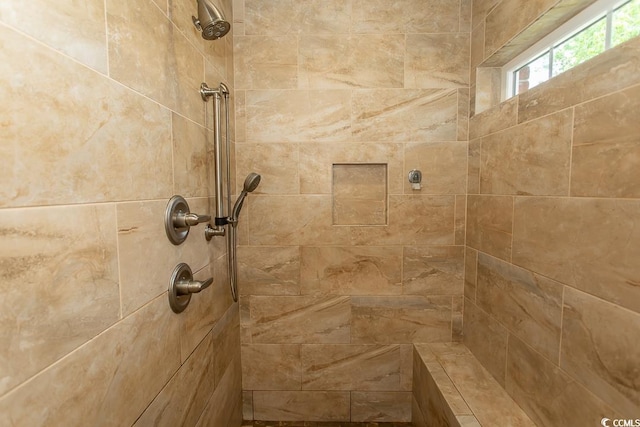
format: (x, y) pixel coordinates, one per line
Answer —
(547, 211)
(123, 131)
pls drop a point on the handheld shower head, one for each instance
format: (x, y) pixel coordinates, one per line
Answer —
(250, 184)
(210, 21)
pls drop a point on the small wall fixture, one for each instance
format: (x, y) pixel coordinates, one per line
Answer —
(415, 178)
(178, 219)
(182, 285)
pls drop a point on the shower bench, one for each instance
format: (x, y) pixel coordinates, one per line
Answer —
(452, 388)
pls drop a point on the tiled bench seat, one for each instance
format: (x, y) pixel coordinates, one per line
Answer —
(451, 388)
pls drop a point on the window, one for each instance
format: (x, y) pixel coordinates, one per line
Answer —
(604, 24)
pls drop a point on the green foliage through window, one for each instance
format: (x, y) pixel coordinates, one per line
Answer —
(584, 45)
(616, 26)
(626, 22)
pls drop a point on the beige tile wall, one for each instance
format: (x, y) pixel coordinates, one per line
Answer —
(552, 307)
(328, 312)
(101, 124)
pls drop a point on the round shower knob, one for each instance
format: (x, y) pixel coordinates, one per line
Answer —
(182, 286)
(178, 220)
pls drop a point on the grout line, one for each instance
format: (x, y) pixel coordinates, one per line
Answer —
(513, 226)
(573, 126)
(506, 359)
(106, 36)
(561, 325)
(173, 160)
(117, 235)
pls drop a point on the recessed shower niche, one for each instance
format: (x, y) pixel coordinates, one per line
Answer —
(359, 194)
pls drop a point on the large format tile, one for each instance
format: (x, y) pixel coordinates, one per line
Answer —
(301, 405)
(550, 238)
(317, 160)
(435, 395)
(433, 270)
(485, 397)
(430, 63)
(184, 397)
(205, 310)
(266, 62)
(600, 349)
(192, 169)
(413, 220)
(102, 143)
(405, 16)
(278, 17)
(189, 73)
(502, 116)
(167, 67)
(268, 270)
(405, 115)
(345, 61)
(547, 394)
(417, 417)
(361, 270)
(359, 194)
(224, 408)
(480, 9)
(226, 342)
(149, 67)
(486, 338)
(121, 371)
(277, 164)
(305, 319)
(529, 305)
(59, 280)
(77, 29)
(404, 319)
(351, 367)
(295, 116)
(271, 367)
(293, 220)
(146, 256)
(382, 406)
(490, 224)
(606, 147)
(528, 159)
(443, 166)
(509, 18)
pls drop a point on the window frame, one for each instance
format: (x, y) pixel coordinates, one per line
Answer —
(584, 19)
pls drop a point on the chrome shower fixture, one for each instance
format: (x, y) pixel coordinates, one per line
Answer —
(250, 184)
(210, 21)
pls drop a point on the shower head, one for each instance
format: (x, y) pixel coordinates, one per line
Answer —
(210, 21)
(250, 184)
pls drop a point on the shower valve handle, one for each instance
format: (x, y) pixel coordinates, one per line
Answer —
(186, 287)
(178, 219)
(182, 219)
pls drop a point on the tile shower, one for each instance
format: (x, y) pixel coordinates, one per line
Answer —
(525, 225)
